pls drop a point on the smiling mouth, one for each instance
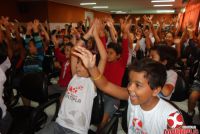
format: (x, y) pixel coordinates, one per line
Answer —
(133, 96)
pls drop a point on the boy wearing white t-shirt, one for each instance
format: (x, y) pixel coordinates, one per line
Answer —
(147, 113)
(76, 108)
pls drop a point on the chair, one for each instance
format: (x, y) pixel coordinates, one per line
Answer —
(181, 89)
(112, 125)
(28, 119)
(10, 99)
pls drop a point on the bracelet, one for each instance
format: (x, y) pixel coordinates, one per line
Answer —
(97, 78)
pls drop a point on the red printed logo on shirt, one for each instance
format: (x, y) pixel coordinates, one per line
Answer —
(136, 126)
(137, 123)
(175, 120)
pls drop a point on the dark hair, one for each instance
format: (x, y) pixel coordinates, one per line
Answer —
(32, 40)
(68, 36)
(3, 52)
(170, 33)
(166, 53)
(155, 72)
(93, 43)
(116, 47)
(69, 44)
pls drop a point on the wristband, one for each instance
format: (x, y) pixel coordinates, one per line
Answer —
(97, 78)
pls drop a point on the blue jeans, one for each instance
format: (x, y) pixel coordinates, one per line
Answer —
(55, 128)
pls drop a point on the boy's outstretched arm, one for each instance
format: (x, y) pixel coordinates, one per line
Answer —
(101, 82)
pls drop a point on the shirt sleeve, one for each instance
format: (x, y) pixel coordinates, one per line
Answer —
(175, 120)
(59, 56)
(171, 77)
(124, 56)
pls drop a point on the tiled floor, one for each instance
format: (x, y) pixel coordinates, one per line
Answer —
(182, 105)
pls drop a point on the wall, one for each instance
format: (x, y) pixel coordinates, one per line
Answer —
(66, 13)
(24, 10)
(192, 14)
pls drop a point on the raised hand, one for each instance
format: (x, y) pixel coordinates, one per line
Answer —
(36, 24)
(5, 20)
(137, 19)
(29, 27)
(148, 19)
(125, 25)
(85, 55)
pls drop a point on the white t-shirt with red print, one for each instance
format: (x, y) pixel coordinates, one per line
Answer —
(163, 116)
(76, 107)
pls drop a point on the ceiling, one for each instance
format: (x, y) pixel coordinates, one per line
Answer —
(128, 6)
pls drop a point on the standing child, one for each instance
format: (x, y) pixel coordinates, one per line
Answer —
(147, 113)
(75, 112)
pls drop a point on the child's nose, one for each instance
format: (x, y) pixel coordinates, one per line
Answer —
(131, 87)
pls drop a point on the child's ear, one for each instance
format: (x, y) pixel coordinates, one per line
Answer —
(156, 91)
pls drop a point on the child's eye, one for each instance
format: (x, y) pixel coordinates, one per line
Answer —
(138, 85)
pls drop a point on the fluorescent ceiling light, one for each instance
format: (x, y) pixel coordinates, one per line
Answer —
(183, 10)
(162, 1)
(100, 7)
(163, 5)
(116, 11)
(120, 12)
(92, 3)
(165, 11)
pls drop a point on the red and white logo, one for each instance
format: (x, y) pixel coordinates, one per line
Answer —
(175, 120)
(137, 124)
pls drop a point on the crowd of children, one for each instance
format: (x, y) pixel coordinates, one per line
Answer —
(95, 58)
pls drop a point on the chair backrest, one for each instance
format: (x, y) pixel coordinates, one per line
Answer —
(34, 86)
(181, 89)
(98, 109)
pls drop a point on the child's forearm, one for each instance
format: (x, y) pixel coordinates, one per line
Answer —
(107, 87)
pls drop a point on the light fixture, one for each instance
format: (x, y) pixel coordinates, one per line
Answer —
(100, 7)
(84, 4)
(183, 10)
(162, 1)
(118, 12)
(165, 11)
(121, 12)
(163, 5)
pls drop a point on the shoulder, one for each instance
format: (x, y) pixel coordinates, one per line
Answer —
(173, 116)
(2, 76)
(171, 72)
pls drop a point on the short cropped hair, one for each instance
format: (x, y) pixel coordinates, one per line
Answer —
(166, 53)
(116, 47)
(155, 72)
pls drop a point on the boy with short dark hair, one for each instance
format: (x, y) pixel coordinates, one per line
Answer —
(147, 113)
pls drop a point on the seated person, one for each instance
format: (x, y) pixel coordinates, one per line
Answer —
(147, 113)
(5, 117)
(76, 108)
(167, 56)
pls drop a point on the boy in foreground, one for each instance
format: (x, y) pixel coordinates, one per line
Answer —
(147, 113)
